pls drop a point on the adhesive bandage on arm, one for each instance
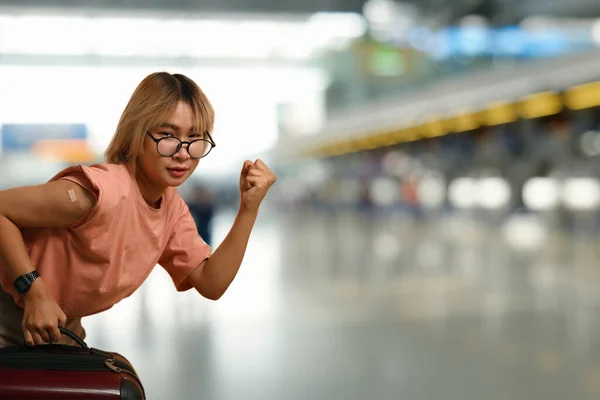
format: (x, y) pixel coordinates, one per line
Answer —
(73, 198)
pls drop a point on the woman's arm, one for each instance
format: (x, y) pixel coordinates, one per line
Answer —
(213, 278)
(48, 205)
(55, 204)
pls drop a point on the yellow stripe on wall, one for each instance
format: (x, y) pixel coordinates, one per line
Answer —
(499, 113)
(583, 96)
(541, 105)
(536, 105)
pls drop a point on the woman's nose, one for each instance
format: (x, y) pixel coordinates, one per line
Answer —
(182, 154)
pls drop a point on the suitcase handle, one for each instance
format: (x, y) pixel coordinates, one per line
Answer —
(75, 338)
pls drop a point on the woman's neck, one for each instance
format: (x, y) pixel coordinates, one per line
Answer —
(150, 192)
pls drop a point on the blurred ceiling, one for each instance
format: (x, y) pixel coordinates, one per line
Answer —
(504, 12)
(443, 12)
(201, 6)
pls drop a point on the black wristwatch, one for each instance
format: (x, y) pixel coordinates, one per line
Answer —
(24, 282)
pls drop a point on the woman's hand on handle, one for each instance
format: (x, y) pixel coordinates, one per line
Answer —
(41, 318)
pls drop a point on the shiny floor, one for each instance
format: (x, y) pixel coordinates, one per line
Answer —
(366, 307)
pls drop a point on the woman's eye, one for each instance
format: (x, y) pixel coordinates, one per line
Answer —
(165, 134)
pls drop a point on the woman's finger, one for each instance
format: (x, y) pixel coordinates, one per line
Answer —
(54, 334)
(254, 180)
(37, 339)
(43, 332)
(28, 337)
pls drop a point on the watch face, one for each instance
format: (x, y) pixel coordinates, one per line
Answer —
(21, 285)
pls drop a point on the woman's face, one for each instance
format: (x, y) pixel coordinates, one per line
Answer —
(174, 170)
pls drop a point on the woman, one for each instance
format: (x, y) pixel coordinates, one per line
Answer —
(88, 238)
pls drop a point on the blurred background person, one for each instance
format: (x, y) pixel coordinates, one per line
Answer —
(202, 207)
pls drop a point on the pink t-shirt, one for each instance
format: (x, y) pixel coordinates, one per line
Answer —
(107, 255)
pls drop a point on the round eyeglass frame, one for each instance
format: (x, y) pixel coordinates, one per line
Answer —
(181, 143)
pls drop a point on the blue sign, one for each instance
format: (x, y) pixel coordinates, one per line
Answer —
(510, 41)
(24, 136)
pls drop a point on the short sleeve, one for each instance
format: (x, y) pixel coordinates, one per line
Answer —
(185, 251)
(104, 183)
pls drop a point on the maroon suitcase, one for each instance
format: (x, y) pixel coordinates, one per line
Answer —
(55, 371)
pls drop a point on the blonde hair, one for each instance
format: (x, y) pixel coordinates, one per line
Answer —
(152, 102)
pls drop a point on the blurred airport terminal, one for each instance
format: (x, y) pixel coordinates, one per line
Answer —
(434, 231)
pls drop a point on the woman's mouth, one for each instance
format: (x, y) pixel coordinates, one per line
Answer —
(177, 172)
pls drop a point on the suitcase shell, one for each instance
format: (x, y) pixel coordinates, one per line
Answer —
(64, 372)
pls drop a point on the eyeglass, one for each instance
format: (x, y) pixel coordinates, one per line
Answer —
(170, 145)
